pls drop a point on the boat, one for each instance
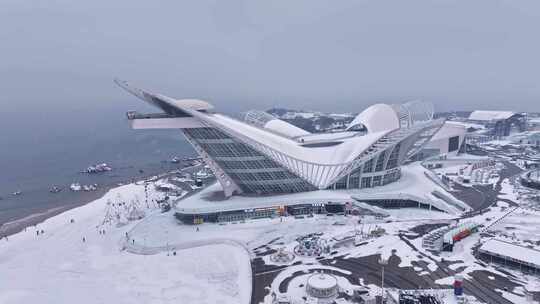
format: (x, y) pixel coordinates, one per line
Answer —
(103, 167)
(16, 193)
(175, 160)
(55, 189)
(89, 187)
(75, 187)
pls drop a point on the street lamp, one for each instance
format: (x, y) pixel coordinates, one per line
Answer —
(383, 262)
(167, 235)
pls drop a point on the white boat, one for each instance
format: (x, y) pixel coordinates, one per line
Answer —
(55, 189)
(103, 167)
(89, 187)
(75, 187)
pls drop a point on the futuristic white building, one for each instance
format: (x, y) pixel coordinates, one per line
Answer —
(447, 141)
(263, 155)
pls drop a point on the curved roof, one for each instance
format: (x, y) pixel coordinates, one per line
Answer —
(284, 128)
(319, 164)
(378, 117)
(267, 121)
(195, 104)
(164, 102)
(332, 155)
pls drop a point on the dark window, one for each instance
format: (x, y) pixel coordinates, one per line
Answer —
(453, 143)
(368, 166)
(380, 161)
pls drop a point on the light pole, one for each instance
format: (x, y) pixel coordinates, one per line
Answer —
(383, 262)
(167, 234)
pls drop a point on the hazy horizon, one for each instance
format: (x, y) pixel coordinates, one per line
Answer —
(320, 55)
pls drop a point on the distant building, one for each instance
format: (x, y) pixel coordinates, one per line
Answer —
(500, 123)
(530, 138)
(511, 255)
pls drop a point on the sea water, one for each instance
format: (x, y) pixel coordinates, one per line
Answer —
(39, 150)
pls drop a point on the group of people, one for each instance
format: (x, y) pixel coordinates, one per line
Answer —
(38, 232)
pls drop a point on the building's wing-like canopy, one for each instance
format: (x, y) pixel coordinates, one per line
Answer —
(376, 118)
(320, 160)
(267, 121)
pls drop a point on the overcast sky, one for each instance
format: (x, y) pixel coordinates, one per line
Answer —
(321, 55)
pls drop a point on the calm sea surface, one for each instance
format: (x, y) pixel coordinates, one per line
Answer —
(39, 150)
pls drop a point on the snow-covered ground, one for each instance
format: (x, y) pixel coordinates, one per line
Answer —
(58, 267)
(158, 260)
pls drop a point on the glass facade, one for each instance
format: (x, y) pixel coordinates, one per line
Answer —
(252, 171)
(371, 173)
(256, 173)
(393, 158)
(380, 161)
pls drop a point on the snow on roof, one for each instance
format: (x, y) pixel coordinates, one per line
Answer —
(343, 153)
(284, 128)
(449, 130)
(465, 124)
(517, 252)
(195, 104)
(490, 115)
(322, 281)
(327, 136)
(413, 184)
(377, 117)
(534, 120)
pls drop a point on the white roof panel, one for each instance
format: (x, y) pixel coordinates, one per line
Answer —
(285, 128)
(490, 115)
(339, 154)
(517, 252)
(449, 130)
(376, 118)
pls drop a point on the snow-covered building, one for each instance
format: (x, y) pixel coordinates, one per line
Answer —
(447, 141)
(510, 254)
(531, 138)
(500, 123)
(265, 155)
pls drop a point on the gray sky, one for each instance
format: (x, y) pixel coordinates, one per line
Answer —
(324, 55)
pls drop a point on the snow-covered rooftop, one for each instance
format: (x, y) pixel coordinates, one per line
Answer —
(516, 252)
(282, 127)
(465, 124)
(339, 154)
(414, 184)
(490, 115)
(376, 118)
(449, 130)
(322, 281)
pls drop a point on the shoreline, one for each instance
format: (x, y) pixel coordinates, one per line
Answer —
(18, 225)
(15, 226)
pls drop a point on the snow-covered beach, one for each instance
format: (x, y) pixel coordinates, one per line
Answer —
(57, 266)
